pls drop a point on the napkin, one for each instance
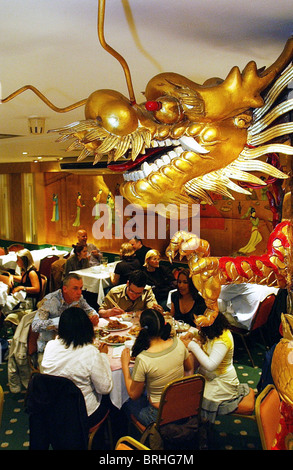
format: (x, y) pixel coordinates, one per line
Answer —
(117, 351)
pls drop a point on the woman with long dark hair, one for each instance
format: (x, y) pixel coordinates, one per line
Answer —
(79, 259)
(73, 355)
(186, 302)
(159, 359)
(214, 349)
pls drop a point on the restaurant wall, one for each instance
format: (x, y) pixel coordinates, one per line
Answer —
(65, 202)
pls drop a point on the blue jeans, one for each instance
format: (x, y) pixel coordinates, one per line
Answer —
(141, 409)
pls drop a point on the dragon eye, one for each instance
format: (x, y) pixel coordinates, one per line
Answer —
(153, 105)
(166, 109)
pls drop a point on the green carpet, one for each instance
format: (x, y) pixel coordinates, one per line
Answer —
(231, 433)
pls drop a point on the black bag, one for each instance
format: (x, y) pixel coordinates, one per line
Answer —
(184, 434)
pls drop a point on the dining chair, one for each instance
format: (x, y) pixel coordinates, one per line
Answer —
(180, 399)
(45, 268)
(57, 272)
(1, 403)
(43, 286)
(15, 247)
(246, 408)
(57, 415)
(129, 443)
(259, 319)
(32, 350)
(267, 411)
(2, 251)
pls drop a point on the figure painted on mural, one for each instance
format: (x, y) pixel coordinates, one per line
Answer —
(96, 208)
(111, 204)
(55, 213)
(255, 237)
(79, 204)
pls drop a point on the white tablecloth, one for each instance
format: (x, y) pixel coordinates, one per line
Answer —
(9, 261)
(3, 293)
(118, 394)
(96, 278)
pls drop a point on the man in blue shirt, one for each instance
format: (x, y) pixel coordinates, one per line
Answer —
(50, 308)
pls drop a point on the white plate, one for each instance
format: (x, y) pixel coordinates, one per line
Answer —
(109, 343)
(126, 323)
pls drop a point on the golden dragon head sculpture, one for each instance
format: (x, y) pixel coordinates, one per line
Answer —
(186, 140)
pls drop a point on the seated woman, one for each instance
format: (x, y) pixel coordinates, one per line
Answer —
(214, 350)
(29, 280)
(186, 302)
(160, 278)
(79, 259)
(128, 263)
(159, 359)
(73, 355)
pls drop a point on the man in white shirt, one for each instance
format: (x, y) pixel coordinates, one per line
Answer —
(50, 308)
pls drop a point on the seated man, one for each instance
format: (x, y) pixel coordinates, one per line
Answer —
(132, 297)
(50, 308)
(140, 249)
(94, 254)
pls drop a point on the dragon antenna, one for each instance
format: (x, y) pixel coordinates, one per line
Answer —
(101, 18)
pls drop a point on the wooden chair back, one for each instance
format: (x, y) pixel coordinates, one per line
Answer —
(129, 443)
(267, 411)
(262, 314)
(15, 247)
(181, 399)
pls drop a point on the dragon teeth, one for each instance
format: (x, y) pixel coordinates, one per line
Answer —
(189, 143)
(145, 167)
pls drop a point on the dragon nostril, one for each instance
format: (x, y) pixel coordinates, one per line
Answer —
(153, 105)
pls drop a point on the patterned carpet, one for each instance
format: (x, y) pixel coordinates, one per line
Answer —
(230, 433)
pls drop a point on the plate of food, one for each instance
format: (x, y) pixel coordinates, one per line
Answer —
(101, 333)
(116, 325)
(115, 340)
(134, 330)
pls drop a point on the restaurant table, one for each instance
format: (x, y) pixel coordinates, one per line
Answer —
(118, 394)
(9, 261)
(96, 279)
(3, 293)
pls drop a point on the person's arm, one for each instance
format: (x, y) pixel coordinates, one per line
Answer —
(110, 312)
(188, 363)
(42, 320)
(91, 312)
(115, 278)
(211, 362)
(35, 284)
(134, 389)
(101, 374)
(172, 310)
(107, 308)
(7, 279)
(97, 254)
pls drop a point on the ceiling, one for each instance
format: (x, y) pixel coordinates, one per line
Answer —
(53, 45)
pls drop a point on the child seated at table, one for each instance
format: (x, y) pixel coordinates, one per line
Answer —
(159, 359)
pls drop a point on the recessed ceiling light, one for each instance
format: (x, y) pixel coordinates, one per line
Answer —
(24, 153)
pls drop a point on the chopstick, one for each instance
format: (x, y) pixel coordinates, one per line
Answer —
(114, 303)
